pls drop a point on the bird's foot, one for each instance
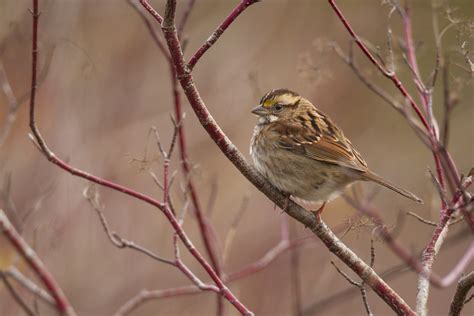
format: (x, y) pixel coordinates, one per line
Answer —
(319, 211)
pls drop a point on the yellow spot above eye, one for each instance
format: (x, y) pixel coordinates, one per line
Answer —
(268, 103)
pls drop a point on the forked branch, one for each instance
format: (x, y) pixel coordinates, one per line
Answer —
(233, 154)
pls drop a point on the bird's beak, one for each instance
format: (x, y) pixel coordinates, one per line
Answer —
(260, 111)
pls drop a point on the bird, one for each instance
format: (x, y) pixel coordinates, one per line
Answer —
(304, 154)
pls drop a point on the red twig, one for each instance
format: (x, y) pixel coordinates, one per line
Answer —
(40, 142)
(231, 152)
(204, 225)
(247, 271)
(34, 262)
(433, 247)
(411, 56)
(244, 4)
(443, 161)
(409, 259)
(426, 97)
(390, 74)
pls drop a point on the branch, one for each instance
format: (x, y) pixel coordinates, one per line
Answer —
(407, 257)
(29, 285)
(244, 4)
(145, 296)
(233, 154)
(439, 153)
(320, 306)
(92, 196)
(464, 285)
(18, 299)
(433, 248)
(360, 286)
(399, 107)
(164, 207)
(34, 262)
(206, 230)
(269, 257)
(387, 73)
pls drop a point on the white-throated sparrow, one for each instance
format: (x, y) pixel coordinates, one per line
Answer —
(303, 153)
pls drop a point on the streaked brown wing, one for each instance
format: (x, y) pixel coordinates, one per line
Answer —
(325, 143)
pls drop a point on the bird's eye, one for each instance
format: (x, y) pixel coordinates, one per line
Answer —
(278, 107)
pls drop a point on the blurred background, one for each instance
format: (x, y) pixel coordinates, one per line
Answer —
(107, 84)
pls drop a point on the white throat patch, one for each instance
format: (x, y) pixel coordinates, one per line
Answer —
(267, 119)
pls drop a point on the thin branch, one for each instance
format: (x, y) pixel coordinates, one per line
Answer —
(42, 146)
(359, 286)
(29, 285)
(272, 254)
(389, 74)
(244, 4)
(145, 296)
(18, 299)
(320, 306)
(205, 228)
(92, 196)
(433, 248)
(268, 258)
(458, 302)
(151, 30)
(350, 61)
(421, 219)
(307, 218)
(431, 223)
(34, 262)
(450, 101)
(406, 256)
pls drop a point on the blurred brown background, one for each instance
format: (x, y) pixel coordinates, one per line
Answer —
(108, 84)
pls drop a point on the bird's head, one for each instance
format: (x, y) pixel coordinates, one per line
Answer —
(277, 104)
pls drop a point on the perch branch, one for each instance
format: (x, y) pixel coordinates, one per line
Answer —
(233, 154)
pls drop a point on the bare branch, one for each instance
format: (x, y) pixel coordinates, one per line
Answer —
(34, 262)
(92, 196)
(360, 286)
(226, 146)
(320, 306)
(145, 296)
(28, 311)
(458, 302)
(28, 284)
(244, 4)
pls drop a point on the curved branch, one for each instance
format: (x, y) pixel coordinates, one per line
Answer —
(233, 154)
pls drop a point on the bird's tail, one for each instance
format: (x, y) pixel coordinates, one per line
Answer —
(370, 176)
